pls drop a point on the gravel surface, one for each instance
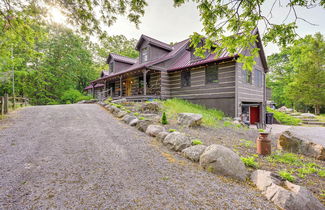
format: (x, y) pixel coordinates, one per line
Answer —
(81, 157)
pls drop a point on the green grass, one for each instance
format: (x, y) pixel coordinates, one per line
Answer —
(283, 118)
(210, 116)
(249, 162)
(171, 130)
(287, 176)
(246, 143)
(196, 142)
(321, 117)
(287, 158)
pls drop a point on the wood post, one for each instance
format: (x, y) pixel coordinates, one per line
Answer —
(121, 87)
(2, 105)
(5, 103)
(145, 82)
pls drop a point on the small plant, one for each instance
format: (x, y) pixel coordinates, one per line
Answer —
(261, 130)
(246, 143)
(287, 176)
(164, 119)
(119, 106)
(321, 173)
(196, 142)
(141, 118)
(136, 114)
(287, 158)
(250, 162)
(227, 124)
(172, 130)
(128, 111)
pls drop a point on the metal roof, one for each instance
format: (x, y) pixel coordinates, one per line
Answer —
(121, 58)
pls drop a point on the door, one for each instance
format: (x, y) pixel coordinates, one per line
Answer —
(254, 114)
(128, 87)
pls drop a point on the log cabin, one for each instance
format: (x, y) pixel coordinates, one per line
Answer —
(165, 71)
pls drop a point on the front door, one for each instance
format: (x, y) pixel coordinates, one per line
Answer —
(254, 114)
(128, 87)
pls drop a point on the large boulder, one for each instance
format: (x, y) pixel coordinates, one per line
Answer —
(142, 125)
(154, 130)
(134, 122)
(114, 110)
(189, 119)
(150, 107)
(121, 114)
(290, 196)
(309, 141)
(222, 160)
(161, 136)
(152, 117)
(194, 152)
(128, 118)
(177, 141)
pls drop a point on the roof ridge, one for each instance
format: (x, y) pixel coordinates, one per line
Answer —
(123, 56)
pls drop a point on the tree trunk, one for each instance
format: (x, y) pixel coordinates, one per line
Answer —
(317, 109)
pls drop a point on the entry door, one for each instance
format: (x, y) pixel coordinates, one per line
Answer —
(128, 87)
(254, 114)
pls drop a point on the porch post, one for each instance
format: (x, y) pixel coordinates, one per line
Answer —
(121, 87)
(93, 90)
(145, 82)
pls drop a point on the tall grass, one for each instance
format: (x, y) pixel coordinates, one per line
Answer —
(284, 118)
(175, 105)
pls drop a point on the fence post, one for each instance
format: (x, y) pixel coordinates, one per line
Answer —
(5, 104)
(2, 111)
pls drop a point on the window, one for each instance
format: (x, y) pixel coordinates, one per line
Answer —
(144, 54)
(247, 76)
(186, 78)
(111, 67)
(211, 74)
(258, 78)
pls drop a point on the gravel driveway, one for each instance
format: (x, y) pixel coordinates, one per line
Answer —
(80, 157)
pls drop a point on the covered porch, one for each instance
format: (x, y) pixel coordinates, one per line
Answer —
(137, 85)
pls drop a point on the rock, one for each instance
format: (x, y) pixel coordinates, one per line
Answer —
(152, 107)
(114, 110)
(128, 118)
(222, 160)
(152, 117)
(289, 197)
(309, 141)
(307, 115)
(194, 152)
(177, 141)
(189, 119)
(121, 114)
(154, 130)
(161, 136)
(119, 101)
(134, 122)
(142, 125)
(91, 101)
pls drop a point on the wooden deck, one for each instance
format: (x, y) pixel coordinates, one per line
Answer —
(138, 97)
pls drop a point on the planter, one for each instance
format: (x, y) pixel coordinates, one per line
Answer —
(263, 144)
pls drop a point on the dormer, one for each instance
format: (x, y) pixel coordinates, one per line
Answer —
(119, 63)
(151, 49)
(195, 58)
(104, 73)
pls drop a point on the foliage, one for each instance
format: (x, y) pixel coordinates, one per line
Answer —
(321, 173)
(210, 116)
(227, 123)
(164, 119)
(196, 142)
(246, 143)
(141, 118)
(171, 130)
(249, 162)
(261, 130)
(284, 118)
(287, 158)
(136, 114)
(71, 96)
(287, 176)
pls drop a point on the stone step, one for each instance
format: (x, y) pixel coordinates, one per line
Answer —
(315, 123)
(310, 120)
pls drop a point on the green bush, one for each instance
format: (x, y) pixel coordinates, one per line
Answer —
(284, 118)
(83, 98)
(249, 162)
(71, 96)
(141, 118)
(172, 130)
(196, 142)
(164, 119)
(287, 158)
(286, 175)
(136, 114)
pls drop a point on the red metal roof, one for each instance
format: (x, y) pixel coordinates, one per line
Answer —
(153, 42)
(121, 58)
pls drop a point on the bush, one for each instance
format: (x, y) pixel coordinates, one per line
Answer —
(81, 98)
(284, 118)
(287, 158)
(172, 130)
(164, 119)
(196, 142)
(250, 162)
(71, 96)
(136, 114)
(287, 176)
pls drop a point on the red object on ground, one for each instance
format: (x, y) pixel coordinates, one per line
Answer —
(254, 114)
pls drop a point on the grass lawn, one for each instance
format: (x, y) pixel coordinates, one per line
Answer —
(211, 117)
(284, 118)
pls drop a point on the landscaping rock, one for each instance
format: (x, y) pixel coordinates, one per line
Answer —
(177, 141)
(189, 119)
(91, 101)
(152, 117)
(307, 115)
(154, 130)
(152, 107)
(121, 114)
(309, 141)
(193, 153)
(289, 197)
(114, 110)
(128, 118)
(161, 136)
(222, 160)
(134, 122)
(119, 101)
(142, 125)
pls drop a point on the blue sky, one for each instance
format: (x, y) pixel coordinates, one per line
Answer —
(169, 24)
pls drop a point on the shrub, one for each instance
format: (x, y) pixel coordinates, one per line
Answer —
(108, 100)
(71, 96)
(227, 123)
(321, 173)
(83, 98)
(136, 114)
(141, 118)
(119, 106)
(288, 158)
(250, 162)
(284, 118)
(261, 130)
(196, 142)
(172, 130)
(164, 119)
(287, 176)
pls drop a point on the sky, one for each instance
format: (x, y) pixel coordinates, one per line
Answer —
(166, 23)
